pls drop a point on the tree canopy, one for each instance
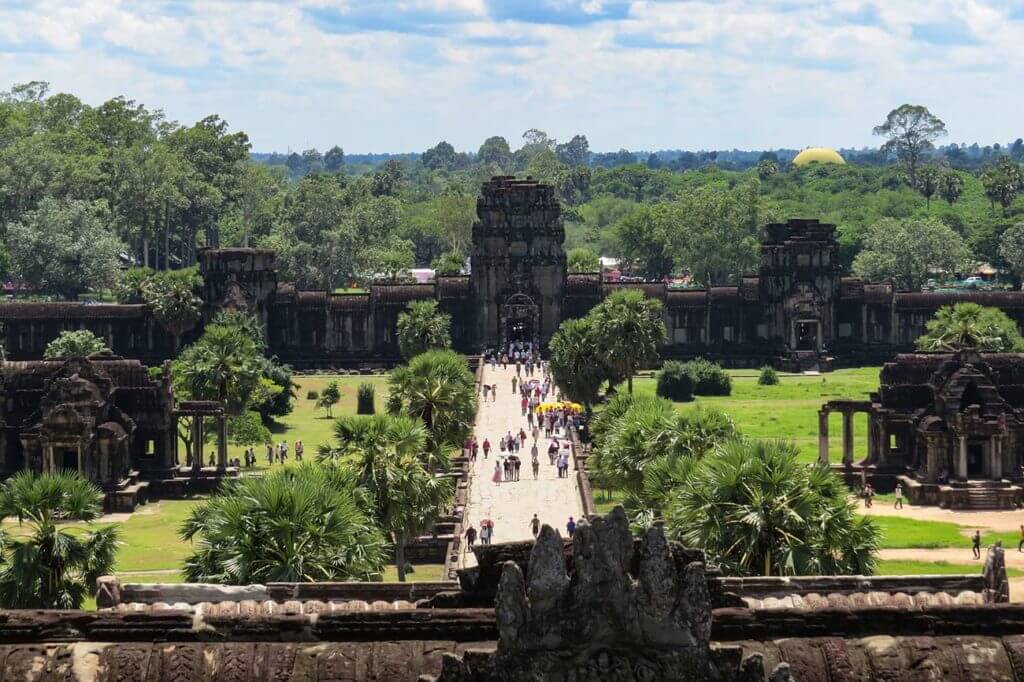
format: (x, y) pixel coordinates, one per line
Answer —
(80, 343)
(909, 252)
(969, 326)
(422, 326)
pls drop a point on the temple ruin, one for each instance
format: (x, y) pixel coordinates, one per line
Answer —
(797, 312)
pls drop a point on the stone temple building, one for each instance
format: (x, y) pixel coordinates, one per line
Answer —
(797, 311)
(948, 426)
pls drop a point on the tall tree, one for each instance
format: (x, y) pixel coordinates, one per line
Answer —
(909, 252)
(631, 332)
(1011, 249)
(754, 509)
(910, 131)
(389, 455)
(495, 150)
(309, 523)
(716, 232)
(223, 365)
(928, 179)
(437, 388)
(575, 152)
(421, 327)
(54, 565)
(576, 365)
(171, 296)
(441, 156)
(334, 159)
(951, 186)
(646, 239)
(65, 247)
(1003, 181)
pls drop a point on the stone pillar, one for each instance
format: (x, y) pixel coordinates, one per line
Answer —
(847, 438)
(222, 442)
(864, 323)
(197, 444)
(883, 443)
(823, 436)
(995, 458)
(961, 463)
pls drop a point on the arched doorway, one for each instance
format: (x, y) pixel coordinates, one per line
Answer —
(520, 321)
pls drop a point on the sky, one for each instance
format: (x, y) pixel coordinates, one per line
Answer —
(401, 75)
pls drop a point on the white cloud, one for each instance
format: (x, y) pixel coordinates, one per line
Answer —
(701, 74)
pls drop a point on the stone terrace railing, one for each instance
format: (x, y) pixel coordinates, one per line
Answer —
(111, 592)
(586, 492)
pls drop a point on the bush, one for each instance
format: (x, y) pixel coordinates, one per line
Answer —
(769, 377)
(709, 378)
(675, 382)
(312, 395)
(364, 399)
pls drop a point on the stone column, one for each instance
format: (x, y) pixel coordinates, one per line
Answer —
(961, 464)
(847, 438)
(995, 458)
(823, 436)
(222, 442)
(197, 444)
(883, 443)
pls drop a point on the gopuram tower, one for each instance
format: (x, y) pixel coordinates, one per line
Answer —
(518, 262)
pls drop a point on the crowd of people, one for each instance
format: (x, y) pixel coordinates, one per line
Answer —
(533, 386)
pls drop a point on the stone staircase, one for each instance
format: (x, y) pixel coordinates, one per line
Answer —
(986, 497)
(979, 495)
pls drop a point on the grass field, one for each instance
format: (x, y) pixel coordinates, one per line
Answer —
(790, 408)
(899, 567)
(309, 424)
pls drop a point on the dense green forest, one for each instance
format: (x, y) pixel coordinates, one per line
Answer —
(86, 191)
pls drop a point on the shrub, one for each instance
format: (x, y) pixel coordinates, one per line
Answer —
(709, 378)
(364, 399)
(769, 377)
(312, 395)
(675, 382)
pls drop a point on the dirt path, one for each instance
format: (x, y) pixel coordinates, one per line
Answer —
(998, 521)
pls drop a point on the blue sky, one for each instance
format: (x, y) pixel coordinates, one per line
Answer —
(400, 75)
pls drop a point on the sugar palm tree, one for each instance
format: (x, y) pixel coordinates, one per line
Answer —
(390, 458)
(437, 388)
(421, 326)
(172, 298)
(970, 326)
(631, 330)
(52, 567)
(223, 365)
(576, 365)
(755, 510)
(301, 524)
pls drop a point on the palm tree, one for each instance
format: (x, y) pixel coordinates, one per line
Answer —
(421, 326)
(755, 510)
(302, 524)
(631, 330)
(437, 388)
(223, 365)
(970, 326)
(390, 457)
(577, 367)
(52, 567)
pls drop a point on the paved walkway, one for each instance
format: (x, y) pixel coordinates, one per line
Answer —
(511, 505)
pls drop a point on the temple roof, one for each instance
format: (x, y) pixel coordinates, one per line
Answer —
(71, 310)
(402, 293)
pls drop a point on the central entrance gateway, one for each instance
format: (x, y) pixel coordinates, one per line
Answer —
(807, 335)
(520, 321)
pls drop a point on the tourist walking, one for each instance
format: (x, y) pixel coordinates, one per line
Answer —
(487, 448)
(976, 544)
(570, 527)
(1020, 545)
(470, 537)
(535, 526)
(516, 463)
(898, 504)
(497, 471)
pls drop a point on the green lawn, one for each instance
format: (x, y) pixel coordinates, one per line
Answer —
(899, 567)
(309, 424)
(790, 408)
(901, 533)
